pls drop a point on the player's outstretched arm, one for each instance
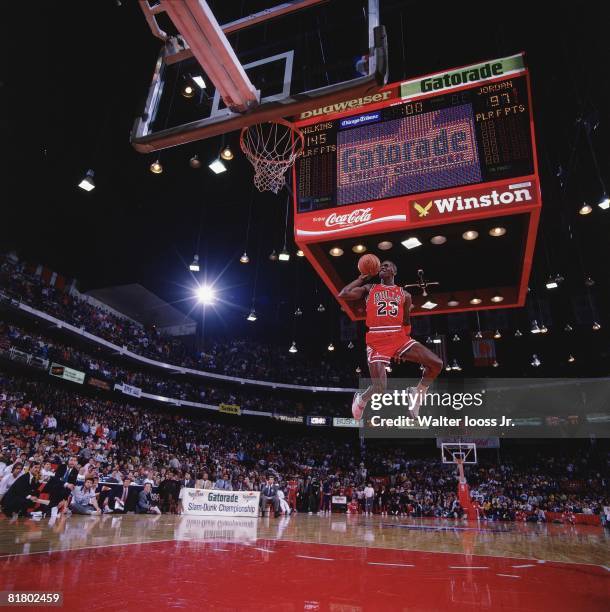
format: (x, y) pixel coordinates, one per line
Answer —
(356, 290)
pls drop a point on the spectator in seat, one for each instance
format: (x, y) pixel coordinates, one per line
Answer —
(223, 483)
(84, 499)
(8, 480)
(145, 504)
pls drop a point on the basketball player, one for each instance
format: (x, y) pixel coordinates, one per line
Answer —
(388, 337)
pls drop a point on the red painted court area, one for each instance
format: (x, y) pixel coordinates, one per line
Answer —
(281, 575)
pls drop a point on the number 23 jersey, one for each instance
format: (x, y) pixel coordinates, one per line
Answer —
(385, 306)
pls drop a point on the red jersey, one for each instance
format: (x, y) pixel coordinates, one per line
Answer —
(385, 306)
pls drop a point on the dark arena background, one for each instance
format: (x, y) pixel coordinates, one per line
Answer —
(205, 404)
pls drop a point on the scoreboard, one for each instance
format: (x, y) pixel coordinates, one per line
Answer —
(450, 131)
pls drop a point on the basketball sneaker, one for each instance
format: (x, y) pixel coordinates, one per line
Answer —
(357, 406)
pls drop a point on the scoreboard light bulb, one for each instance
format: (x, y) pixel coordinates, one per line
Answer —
(497, 231)
(336, 252)
(300, 253)
(359, 248)
(438, 239)
(475, 301)
(470, 235)
(411, 243)
(385, 245)
(496, 299)
(585, 209)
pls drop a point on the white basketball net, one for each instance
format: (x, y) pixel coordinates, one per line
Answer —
(271, 148)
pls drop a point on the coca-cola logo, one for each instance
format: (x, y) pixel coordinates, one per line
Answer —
(359, 215)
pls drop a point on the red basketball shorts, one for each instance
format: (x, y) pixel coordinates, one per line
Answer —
(382, 347)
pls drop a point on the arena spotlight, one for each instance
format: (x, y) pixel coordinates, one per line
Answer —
(87, 183)
(194, 267)
(195, 162)
(252, 316)
(205, 294)
(411, 243)
(604, 202)
(300, 253)
(358, 248)
(585, 209)
(331, 347)
(596, 326)
(216, 166)
(497, 335)
(293, 347)
(156, 167)
(536, 361)
(244, 258)
(284, 255)
(226, 153)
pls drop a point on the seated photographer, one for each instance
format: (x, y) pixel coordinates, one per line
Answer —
(84, 499)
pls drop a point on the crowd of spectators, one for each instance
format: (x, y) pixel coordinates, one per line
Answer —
(231, 357)
(37, 344)
(98, 443)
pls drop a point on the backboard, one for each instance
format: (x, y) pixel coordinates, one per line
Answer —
(454, 452)
(225, 65)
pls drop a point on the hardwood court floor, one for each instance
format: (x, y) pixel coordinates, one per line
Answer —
(339, 563)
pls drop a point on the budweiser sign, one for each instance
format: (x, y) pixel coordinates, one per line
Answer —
(359, 215)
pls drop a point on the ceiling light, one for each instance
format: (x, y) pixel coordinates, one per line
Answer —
(198, 80)
(358, 370)
(596, 326)
(497, 335)
(567, 328)
(497, 231)
(331, 347)
(571, 359)
(411, 243)
(244, 258)
(495, 364)
(429, 305)
(336, 252)
(251, 316)
(298, 312)
(475, 300)
(87, 183)
(453, 302)
(350, 345)
(543, 329)
(188, 91)
(273, 255)
(478, 334)
(321, 308)
(518, 334)
(554, 281)
(438, 239)
(456, 338)
(437, 339)
(293, 348)
(388, 369)
(385, 245)
(589, 282)
(604, 203)
(448, 367)
(358, 248)
(194, 267)
(428, 340)
(205, 294)
(496, 299)
(470, 235)
(455, 366)
(226, 153)
(535, 361)
(195, 162)
(217, 167)
(300, 253)
(535, 329)
(585, 209)
(156, 167)
(284, 255)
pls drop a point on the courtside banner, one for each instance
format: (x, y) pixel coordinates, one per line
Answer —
(205, 502)
(216, 529)
(319, 421)
(458, 77)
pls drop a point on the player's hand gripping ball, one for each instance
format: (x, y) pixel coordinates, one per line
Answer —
(369, 264)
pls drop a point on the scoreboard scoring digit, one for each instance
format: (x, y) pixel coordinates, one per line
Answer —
(479, 134)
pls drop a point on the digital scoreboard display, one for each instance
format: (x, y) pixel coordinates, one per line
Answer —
(452, 139)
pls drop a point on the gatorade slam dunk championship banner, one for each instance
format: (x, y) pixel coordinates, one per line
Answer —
(205, 502)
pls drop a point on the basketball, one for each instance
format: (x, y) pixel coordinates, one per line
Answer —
(369, 264)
